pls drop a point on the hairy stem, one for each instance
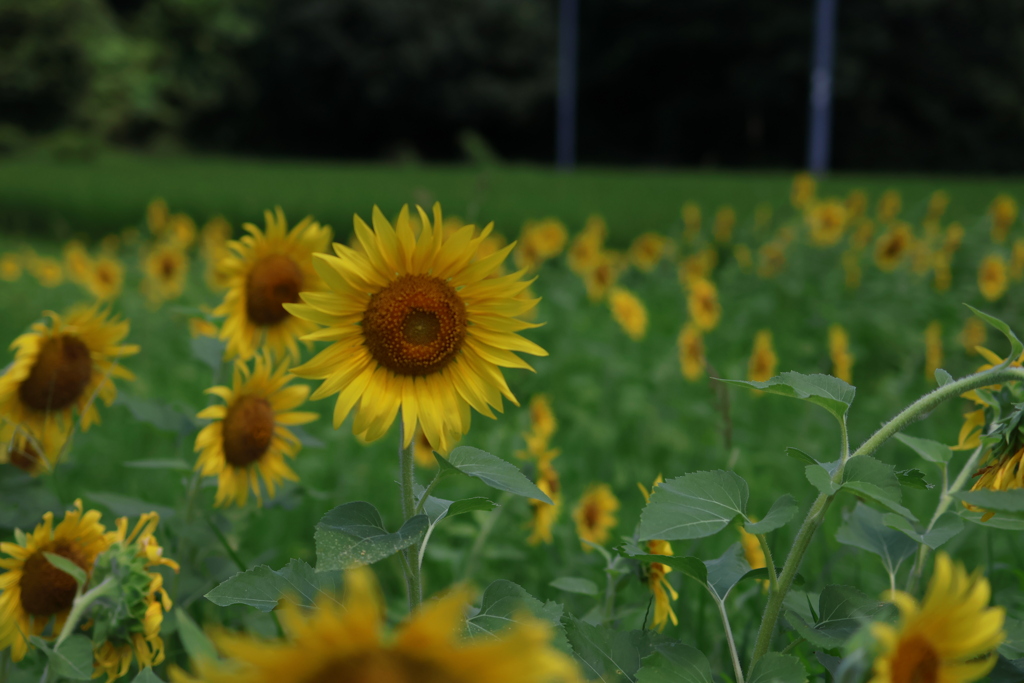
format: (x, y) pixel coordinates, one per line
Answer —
(79, 606)
(733, 653)
(411, 562)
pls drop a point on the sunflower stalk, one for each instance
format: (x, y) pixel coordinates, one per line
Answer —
(81, 603)
(411, 563)
(733, 652)
(819, 508)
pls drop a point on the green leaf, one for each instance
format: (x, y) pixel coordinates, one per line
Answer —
(997, 522)
(726, 571)
(606, 654)
(68, 567)
(864, 529)
(1016, 347)
(209, 350)
(493, 471)
(173, 464)
(942, 377)
(693, 506)
(689, 566)
(946, 527)
(778, 668)
(831, 393)
(1001, 501)
(147, 676)
(798, 454)
(877, 481)
(932, 451)
(126, 506)
(842, 610)
(503, 602)
(913, 479)
(778, 516)
(821, 479)
(196, 644)
(353, 534)
(461, 507)
(73, 658)
(675, 663)
(262, 587)
(575, 584)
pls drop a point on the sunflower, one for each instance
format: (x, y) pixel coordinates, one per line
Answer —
(1003, 212)
(416, 325)
(157, 214)
(538, 242)
(46, 270)
(542, 418)
(691, 352)
(803, 190)
(347, 642)
(10, 267)
(763, 360)
(264, 271)
(954, 238)
(105, 278)
(862, 234)
(992, 280)
(135, 635)
(839, 352)
(771, 258)
(856, 204)
(892, 246)
(59, 367)
(974, 334)
(889, 205)
(166, 273)
(697, 266)
(657, 580)
(702, 303)
(77, 262)
(595, 514)
(28, 452)
(691, 216)
(181, 230)
(605, 273)
(828, 220)
(586, 247)
(545, 514)
(629, 312)
(753, 552)
(249, 436)
(33, 591)
(932, 349)
(725, 221)
(948, 638)
(647, 251)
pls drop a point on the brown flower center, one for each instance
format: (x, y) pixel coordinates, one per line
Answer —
(274, 281)
(591, 515)
(415, 325)
(915, 662)
(248, 430)
(168, 267)
(46, 590)
(25, 457)
(59, 376)
(381, 666)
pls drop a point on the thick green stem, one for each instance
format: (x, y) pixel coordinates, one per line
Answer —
(79, 606)
(733, 653)
(412, 568)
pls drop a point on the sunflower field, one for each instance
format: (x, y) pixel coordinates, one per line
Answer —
(415, 449)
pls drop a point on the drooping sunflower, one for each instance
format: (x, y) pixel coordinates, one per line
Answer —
(702, 303)
(691, 352)
(166, 273)
(347, 642)
(629, 312)
(31, 453)
(60, 366)
(950, 637)
(105, 278)
(595, 514)
(249, 436)
(416, 325)
(992, 279)
(265, 270)
(134, 635)
(33, 592)
(763, 360)
(657, 579)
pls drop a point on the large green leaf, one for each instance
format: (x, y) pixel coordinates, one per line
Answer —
(605, 654)
(726, 571)
(946, 527)
(932, 451)
(493, 471)
(196, 644)
(693, 506)
(503, 602)
(831, 393)
(72, 660)
(864, 529)
(262, 587)
(1001, 501)
(1016, 347)
(876, 480)
(821, 479)
(778, 516)
(842, 610)
(353, 535)
(778, 668)
(575, 584)
(675, 663)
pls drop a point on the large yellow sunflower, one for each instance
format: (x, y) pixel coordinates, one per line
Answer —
(249, 436)
(264, 271)
(347, 642)
(33, 591)
(61, 366)
(416, 324)
(949, 638)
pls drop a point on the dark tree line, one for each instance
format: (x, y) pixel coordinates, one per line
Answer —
(919, 84)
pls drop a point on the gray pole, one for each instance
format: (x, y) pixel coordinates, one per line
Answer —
(819, 134)
(568, 58)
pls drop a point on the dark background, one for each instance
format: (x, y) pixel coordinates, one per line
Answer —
(919, 84)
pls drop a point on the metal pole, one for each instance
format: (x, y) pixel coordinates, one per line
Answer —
(568, 59)
(819, 135)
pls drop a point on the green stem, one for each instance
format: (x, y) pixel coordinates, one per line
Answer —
(481, 537)
(79, 606)
(792, 645)
(227, 546)
(427, 491)
(769, 563)
(609, 596)
(733, 653)
(412, 569)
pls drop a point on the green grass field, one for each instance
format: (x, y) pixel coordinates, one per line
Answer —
(625, 412)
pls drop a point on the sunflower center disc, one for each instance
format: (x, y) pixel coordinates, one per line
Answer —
(24, 457)
(915, 662)
(415, 325)
(248, 429)
(380, 665)
(274, 281)
(59, 376)
(591, 514)
(168, 268)
(46, 590)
